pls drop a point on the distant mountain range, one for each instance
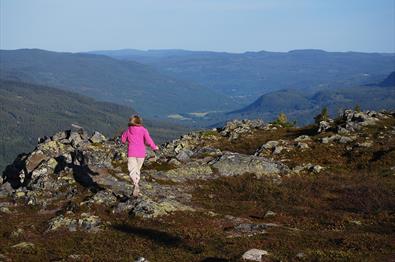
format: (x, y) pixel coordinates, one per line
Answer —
(203, 88)
(302, 107)
(248, 75)
(124, 82)
(29, 111)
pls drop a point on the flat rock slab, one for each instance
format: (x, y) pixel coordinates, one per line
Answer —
(232, 164)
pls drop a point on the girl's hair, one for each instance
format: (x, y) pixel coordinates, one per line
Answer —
(135, 121)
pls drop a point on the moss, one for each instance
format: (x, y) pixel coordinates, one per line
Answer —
(120, 164)
(160, 166)
(209, 133)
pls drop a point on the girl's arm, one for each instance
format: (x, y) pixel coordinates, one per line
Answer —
(124, 136)
(148, 140)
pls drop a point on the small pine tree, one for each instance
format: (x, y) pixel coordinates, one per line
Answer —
(357, 108)
(282, 119)
(323, 116)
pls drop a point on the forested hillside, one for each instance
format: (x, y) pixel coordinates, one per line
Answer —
(29, 111)
(246, 76)
(124, 82)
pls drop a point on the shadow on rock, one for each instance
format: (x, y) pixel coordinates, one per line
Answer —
(12, 172)
(81, 173)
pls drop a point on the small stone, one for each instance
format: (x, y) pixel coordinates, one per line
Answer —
(317, 169)
(97, 137)
(302, 145)
(270, 213)
(23, 245)
(365, 144)
(278, 149)
(356, 222)
(325, 140)
(270, 144)
(254, 254)
(298, 169)
(5, 210)
(342, 131)
(17, 233)
(302, 138)
(300, 255)
(345, 140)
(174, 162)
(60, 136)
(19, 194)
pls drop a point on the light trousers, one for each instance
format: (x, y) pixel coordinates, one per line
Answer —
(134, 166)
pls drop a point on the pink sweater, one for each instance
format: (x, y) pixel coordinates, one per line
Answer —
(137, 137)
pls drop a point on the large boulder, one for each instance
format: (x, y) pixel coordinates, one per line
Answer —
(231, 164)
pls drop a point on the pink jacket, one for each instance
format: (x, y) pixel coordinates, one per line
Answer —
(137, 137)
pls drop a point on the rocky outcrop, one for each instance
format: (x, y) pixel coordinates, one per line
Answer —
(354, 121)
(234, 129)
(72, 165)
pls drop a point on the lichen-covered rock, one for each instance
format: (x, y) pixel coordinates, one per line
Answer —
(6, 190)
(60, 221)
(191, 171)
(104, 197)
(85, 222)
(146, 208)
(89, 222)
(207, 151)
(97, 137)
(184, 155)
(231, 164)
(61, 135)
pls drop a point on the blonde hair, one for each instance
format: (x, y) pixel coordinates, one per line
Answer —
(135, 121)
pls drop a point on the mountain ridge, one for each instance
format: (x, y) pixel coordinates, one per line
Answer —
(107, 79)
(245, 76)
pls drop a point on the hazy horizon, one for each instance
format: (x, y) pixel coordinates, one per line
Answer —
(233, 26)
(189, 50)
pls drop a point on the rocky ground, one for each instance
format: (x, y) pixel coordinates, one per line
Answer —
(248, 191)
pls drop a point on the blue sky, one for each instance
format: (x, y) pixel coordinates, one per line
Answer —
(219, 25)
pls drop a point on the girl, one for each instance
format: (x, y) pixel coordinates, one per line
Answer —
(137, 137)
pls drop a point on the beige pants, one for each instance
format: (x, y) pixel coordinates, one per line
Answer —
(134, 166)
